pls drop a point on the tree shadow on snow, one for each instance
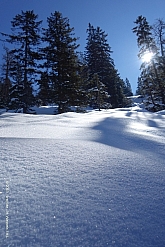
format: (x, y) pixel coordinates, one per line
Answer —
(115, 133)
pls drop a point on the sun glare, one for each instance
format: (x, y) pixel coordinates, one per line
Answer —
(147, 57)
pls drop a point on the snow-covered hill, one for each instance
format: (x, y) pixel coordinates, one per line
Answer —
(83, 180)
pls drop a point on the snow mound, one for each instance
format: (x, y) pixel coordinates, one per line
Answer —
(161, 112)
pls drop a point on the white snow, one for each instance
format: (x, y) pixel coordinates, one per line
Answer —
(83, 179)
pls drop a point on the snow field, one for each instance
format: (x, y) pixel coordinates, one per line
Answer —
(94, 179)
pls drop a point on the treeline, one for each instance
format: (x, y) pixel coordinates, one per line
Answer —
(42, 66)
(151, 42)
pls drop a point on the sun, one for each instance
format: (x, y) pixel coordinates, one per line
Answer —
(147, 57)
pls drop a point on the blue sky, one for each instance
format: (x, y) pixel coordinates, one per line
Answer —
(115, 17)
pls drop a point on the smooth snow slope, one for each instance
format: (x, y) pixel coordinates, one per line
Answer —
(83, 180)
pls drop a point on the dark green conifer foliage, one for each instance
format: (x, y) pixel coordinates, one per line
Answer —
(97, 94)
(139, 90)
(98, 53)
(25, 38)
(159, 34)
(45, 94)
(61, 61)
(151, 81)
(5, 79)
(99, 61)
(1, 96)
(16, 92)
(127, 88)
(83, 75)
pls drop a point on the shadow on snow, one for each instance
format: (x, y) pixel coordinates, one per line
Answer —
(115, 133)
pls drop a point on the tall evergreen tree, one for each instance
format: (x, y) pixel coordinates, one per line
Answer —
(5, 79)
(127, 88)
(159, 34)
(99, 61)
(61, 61)
(25, 38)
(139, 90)
(153, 88)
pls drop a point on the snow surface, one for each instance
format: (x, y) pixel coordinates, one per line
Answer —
(83, 180)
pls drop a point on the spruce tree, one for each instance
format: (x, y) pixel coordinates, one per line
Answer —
(1, 95)
(159, 34)
(25, 38)
(151, 76)
(83, 75)
(45, 94)
(127, 88)
(139, 90)
(5, 79)
(17, 90)
(97, 94)
(98, 53)
(99, 61)
(61, 61)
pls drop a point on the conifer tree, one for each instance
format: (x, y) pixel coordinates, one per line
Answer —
(153, 86)
(61, 61)
(25, 38)
(139, 90)
(5, 79)
(83, 75)
(99, 61)
(45, 93)
(1, 95)
(159, 34)
(16, 92)
(98, 94)
(127, 88)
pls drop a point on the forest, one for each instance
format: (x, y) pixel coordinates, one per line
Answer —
(42, 66)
